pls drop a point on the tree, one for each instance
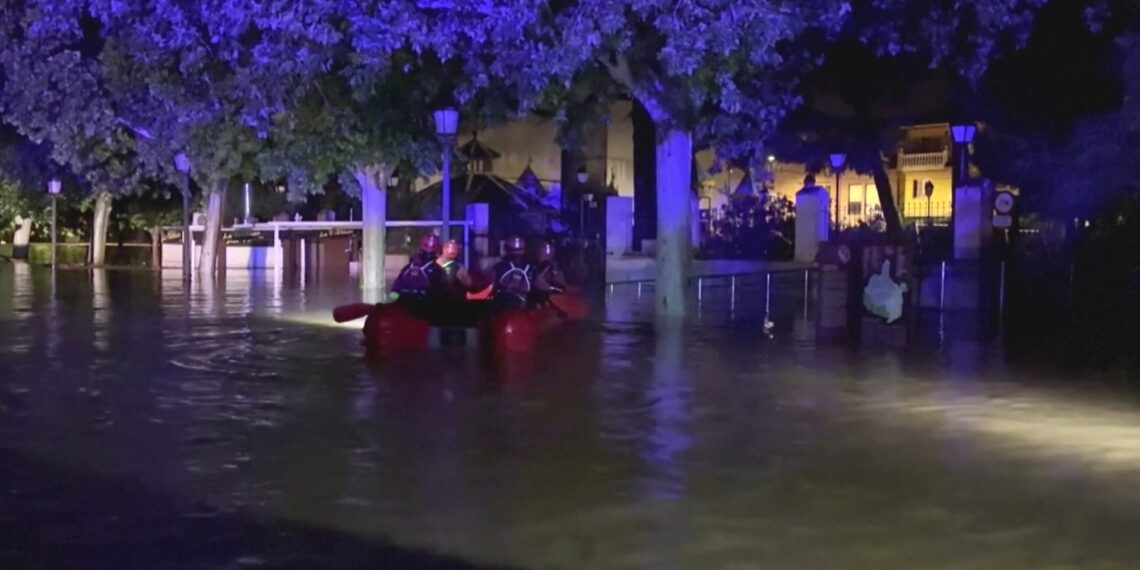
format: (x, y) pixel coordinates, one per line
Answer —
(54, 92)
(719, 73)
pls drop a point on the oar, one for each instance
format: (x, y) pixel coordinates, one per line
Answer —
(570, 306)
(345, 313)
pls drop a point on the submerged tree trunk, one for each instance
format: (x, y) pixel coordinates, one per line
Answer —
(373, 182)
(156, 247)
(212, 238)
(674, 232)
(99, 225)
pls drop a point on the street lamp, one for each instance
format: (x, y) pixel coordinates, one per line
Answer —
(837, 160)
(446, 125)
(182, 164)
(53, 188)
(928, 188)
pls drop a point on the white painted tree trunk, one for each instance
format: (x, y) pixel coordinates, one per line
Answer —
(212, 238)
(373, 182)
(674, 204)
(99, 224)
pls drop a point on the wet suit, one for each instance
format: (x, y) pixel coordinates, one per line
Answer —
(448, 297)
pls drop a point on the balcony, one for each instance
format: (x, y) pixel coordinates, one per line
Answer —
(914, 162)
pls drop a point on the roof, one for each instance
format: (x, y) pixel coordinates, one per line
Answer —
(529, 182)
(474, 149)
(487, 187)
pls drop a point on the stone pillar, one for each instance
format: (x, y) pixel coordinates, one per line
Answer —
(971, 221)
(22, 237)
(812, 222)
(619, 225)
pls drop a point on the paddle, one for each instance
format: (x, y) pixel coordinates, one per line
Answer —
(345, 313)
(569, 306)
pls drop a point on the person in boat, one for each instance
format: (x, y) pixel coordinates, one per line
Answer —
(416, 279)
(448, 295)
(514, 276)
(548, 277)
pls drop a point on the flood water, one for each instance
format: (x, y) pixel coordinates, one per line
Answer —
(147, 426)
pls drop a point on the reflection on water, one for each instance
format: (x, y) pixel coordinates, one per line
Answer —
(232, 425)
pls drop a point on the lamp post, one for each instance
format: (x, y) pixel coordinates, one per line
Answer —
(54, 186)
(582, 176)
(837, 161)
(248, 196)
(446, 125)
(928, 188)
(182, 164)
(963, 135)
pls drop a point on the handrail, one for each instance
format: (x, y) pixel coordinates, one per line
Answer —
(797, 269)
(318, 225)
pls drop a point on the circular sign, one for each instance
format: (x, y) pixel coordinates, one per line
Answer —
(844, 253)
(1003, 202)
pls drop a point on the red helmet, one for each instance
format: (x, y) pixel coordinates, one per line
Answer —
(545, 251)
(451, 250)
(429, 244)
(516, 245)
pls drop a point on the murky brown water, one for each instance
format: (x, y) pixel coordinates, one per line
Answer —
(143, 426)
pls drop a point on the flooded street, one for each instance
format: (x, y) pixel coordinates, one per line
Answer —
(147, 426)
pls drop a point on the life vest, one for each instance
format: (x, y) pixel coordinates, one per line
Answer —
(448, 284)
(515, 280)
(415, 278)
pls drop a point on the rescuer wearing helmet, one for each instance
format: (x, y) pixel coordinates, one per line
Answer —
(514, 277)
(417, 277)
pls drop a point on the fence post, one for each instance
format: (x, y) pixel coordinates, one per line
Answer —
(767, 294)
(732, 302)
(806, 277)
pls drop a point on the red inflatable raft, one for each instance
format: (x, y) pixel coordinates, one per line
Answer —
(393, 326)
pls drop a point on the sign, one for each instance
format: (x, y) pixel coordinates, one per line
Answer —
(1003, 203)
(1003, 221)
(844, 254)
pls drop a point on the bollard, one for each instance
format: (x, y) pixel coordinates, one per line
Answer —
(700, 289)
(942, 289)
(611, 288)
(639, 289)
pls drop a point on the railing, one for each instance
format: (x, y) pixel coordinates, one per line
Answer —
(923, 160)
(731, 279)
(919, 209)
(283, 226)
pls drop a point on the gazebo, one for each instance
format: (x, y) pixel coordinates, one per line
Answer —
(513, 209)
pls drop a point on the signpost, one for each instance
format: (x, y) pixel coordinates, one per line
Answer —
(1004, 203)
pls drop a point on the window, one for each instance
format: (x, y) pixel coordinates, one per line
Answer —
(855, 198)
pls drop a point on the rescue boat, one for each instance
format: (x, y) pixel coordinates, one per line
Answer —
(399, 326)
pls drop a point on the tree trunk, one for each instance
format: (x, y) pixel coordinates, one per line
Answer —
(373, 182)
(674, 204)
(156, 247)
(99, 224)
(887, 201)
(212, 238)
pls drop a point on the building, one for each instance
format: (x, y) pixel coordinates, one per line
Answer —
(527, 151)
